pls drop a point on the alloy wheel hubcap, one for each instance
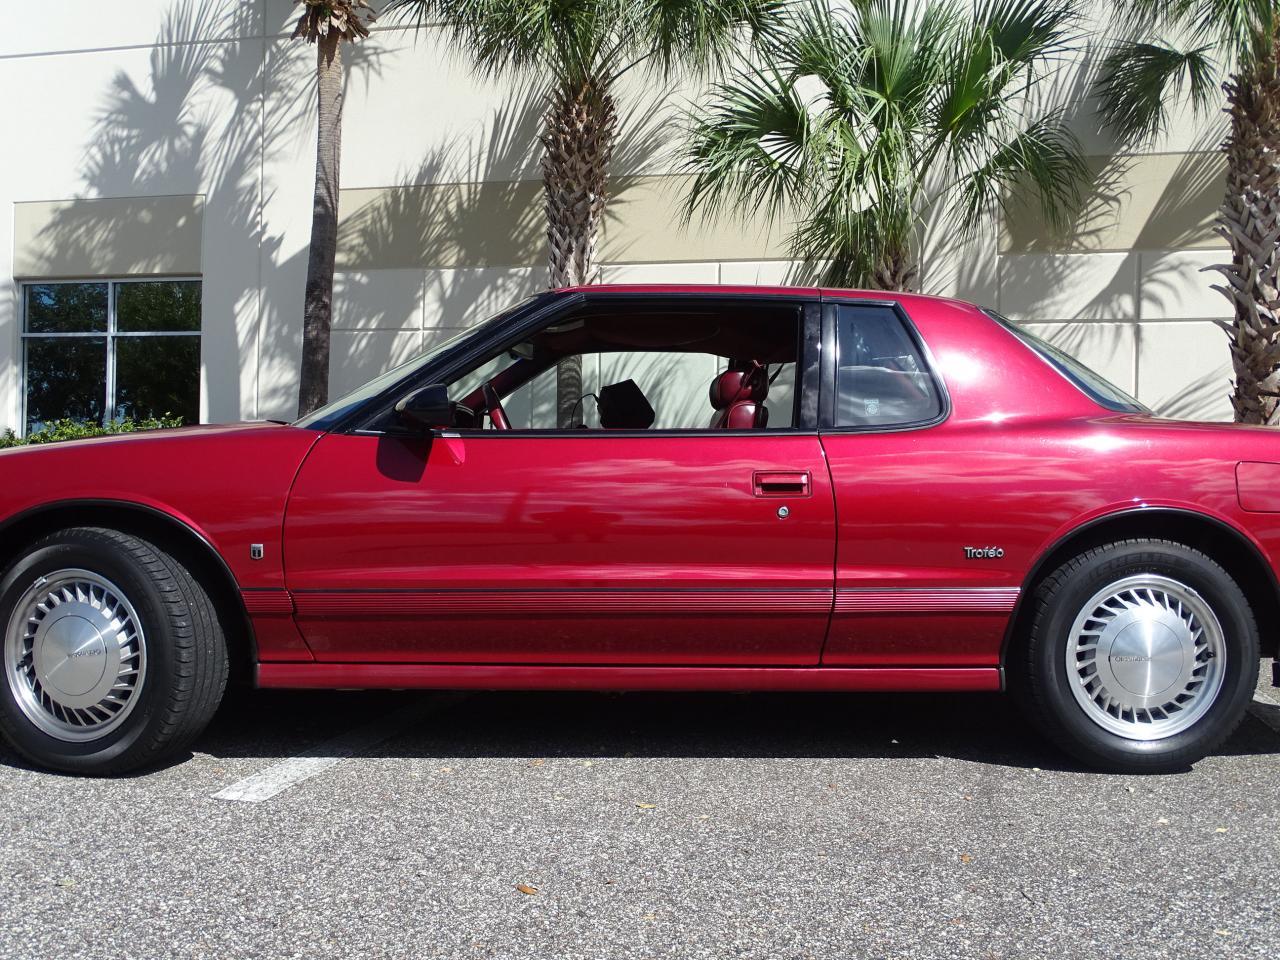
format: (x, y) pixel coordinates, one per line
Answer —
(1145, 657)
(75, 655)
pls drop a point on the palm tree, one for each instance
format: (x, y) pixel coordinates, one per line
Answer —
(327, 24)
(575, 52)
(1175, 50)
(863, 123)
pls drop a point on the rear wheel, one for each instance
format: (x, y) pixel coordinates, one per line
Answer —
(113, 656)
(1142, 656)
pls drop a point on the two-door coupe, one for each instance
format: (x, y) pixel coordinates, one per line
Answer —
(753, 489)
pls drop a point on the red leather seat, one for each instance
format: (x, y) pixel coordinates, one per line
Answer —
(739, 396)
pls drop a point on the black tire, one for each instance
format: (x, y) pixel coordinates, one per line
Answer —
(186, 653)
(1039, 674)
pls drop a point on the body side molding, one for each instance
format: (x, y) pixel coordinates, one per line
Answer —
(416, 603)
(553, 677)
(267, 602)
(927, 600)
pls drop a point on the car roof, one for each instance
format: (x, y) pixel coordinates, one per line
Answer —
(738, 290)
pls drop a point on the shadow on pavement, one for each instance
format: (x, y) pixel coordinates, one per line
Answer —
(981, 728)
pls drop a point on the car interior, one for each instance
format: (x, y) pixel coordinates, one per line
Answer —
(715, 365)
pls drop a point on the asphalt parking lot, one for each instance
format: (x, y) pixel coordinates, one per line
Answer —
(769, 826)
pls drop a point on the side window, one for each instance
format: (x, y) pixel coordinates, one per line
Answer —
(881, 377)
(673, 384)
(676, 385)
(680, 366)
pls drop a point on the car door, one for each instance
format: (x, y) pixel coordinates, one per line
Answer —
(576, 547)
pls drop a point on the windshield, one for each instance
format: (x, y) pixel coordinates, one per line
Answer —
(1096, 387)
(331, 413)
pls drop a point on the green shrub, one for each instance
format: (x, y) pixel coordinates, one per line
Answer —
(60, 430)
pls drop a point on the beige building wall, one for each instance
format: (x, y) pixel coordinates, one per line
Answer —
(179, 140)
(1131, 291)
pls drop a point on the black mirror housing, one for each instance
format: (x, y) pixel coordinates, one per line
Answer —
(428, 408)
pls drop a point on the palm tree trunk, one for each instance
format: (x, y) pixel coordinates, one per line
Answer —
(577, 139)
(896, 271)
(1249, 221)
(317, 318)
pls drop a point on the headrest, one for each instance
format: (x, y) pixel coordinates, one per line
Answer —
(622, 406)
(739, 386)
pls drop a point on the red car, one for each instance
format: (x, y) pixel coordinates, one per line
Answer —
(884, 492)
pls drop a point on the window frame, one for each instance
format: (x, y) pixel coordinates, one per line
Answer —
(111, 334)
(830, 361)
(544, 313)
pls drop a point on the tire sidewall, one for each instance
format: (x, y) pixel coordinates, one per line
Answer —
(1240, 643)
(71, 551)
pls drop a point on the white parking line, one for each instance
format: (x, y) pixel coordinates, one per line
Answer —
(278, 777)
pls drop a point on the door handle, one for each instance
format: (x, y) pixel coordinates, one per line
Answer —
(773, 483)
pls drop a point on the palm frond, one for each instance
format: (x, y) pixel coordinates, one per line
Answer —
(1010, 45)
(1025, 32)
(1140, 80)
(701, 36)
(583, 41)
(1243, 31)
(853, 241)
(902, 45)
(568, 40)
(1044, 161)
(812, 40)
(321, 19)
(1175, 51)
(752, 146)
(875, 113)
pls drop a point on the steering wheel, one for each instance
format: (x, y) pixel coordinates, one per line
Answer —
(497, 416)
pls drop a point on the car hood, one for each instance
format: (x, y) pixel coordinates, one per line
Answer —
(175, 435)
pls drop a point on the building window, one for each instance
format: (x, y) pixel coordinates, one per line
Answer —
(104, 350)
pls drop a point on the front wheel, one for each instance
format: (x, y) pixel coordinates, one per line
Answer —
(113, 655)
(1142, 656)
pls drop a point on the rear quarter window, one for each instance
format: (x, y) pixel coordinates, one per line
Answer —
(882, 379)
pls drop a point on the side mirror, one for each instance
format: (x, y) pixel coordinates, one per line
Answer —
(428, 408)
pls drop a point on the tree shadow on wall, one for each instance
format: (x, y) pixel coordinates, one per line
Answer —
(971, 266)
(468, 240)
(1179, 217)
(1183, 218)
(208, 118)
(1205, 398)
(479, 234)
(463, 227)
(213, 117)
